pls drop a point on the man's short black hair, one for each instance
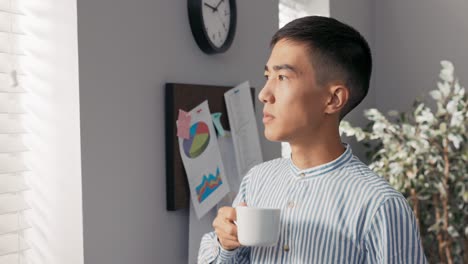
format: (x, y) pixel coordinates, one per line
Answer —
(338, 53)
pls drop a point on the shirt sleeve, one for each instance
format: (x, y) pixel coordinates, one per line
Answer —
(393, 236)
(211, 252)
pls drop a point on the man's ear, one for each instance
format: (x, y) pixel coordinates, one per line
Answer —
(338, 96)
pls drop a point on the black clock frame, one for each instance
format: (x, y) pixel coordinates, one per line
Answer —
(195, 13)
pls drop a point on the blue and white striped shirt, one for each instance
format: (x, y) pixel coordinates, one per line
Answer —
(339, 212)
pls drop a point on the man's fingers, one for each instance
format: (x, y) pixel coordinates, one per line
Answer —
(230, 228)
(225, 229)
(225, 236)
(227, 241)
(221, 222)
(225, 226)
(227, 213)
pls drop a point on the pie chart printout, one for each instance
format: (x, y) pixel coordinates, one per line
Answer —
(198, 140)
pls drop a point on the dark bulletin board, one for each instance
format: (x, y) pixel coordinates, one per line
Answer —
(186, 97)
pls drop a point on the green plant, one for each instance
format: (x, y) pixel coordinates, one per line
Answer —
(424, 155)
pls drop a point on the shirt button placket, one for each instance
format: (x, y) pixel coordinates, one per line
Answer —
(289, 205)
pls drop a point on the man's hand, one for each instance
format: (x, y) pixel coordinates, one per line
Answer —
(225, 228)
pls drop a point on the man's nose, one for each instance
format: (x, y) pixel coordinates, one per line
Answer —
(266, 95)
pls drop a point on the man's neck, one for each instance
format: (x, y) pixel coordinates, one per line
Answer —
(316, 151)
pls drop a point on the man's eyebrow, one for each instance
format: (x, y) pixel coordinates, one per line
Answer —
(282, 67)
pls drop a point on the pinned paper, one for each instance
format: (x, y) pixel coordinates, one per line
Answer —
(183, 124)
(202, 162)
(217, 123)
(243, 125)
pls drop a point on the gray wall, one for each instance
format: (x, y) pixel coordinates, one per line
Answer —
(359, 14)
(127, 51)
(408, 40)
(411, 38)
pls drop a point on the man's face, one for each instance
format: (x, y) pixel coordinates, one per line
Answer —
(293, 103)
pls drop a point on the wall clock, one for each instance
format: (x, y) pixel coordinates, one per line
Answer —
(213, 24)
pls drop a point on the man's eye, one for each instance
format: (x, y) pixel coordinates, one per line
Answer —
(282, 77)
(266, 77)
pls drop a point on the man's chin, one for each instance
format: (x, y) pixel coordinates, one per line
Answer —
(272, 136)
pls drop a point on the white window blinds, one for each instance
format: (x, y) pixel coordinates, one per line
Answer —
(12, 132)
(292, 9)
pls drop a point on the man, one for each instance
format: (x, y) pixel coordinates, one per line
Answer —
(334, 208)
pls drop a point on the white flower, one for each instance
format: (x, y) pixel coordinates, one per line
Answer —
(457, 119)
(456, 140)
(378, 127)
(373, 114)
(360, 135)
(453, 232)
(447, 65)
(345, 127)
(395, 168)
(452, 106)
(456, 87)
(408, 129)
(419, 108)
(446, 73)
(443, 127)
(424, 143)
(425, 116)
(444, 88)
(441, 109)
(436, 94)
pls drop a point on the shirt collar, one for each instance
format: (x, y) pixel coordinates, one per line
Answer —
(324, 168)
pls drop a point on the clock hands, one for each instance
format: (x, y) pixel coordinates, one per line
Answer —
(215, 9)
(218, 4)
(212, 8)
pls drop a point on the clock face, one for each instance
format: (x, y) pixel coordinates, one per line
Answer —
(216, 20)
(213, 24)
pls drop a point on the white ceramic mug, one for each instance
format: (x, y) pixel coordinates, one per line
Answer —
(258, 226)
